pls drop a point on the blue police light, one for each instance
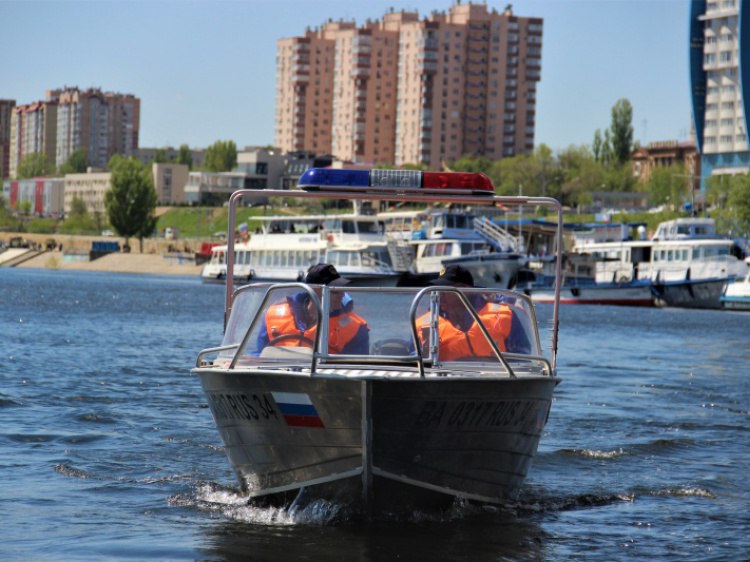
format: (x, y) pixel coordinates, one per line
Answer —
(397, 180)
(326, 177)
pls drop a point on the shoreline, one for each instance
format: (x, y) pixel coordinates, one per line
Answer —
(153, 264)
(158, 257)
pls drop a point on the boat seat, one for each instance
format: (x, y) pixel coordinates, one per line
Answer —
(392, 346)
(286, 352)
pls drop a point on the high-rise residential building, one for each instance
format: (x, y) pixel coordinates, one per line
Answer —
(409, 90)
(720, 82)
(102, 123)
(32, 130)
(6, 111)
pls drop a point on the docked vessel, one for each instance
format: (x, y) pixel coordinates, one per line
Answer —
(686, 262)
(287, 245)
(397, 425)
(450, 237)
(737, 295)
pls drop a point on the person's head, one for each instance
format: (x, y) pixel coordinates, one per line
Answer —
(453, 276)
(326, 274)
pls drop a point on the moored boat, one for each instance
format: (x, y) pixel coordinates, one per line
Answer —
(687, 263)
(618, 294)
(736, 295)
(286, 246)
(397, 425)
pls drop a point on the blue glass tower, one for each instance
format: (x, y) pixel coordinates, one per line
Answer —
(720, 84)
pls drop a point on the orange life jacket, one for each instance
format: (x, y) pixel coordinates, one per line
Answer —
(280, 322)
(341, 328)
(456, 344)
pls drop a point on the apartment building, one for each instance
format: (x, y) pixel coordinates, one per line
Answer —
(406, 89)
(32, 130)
(89, 188)
(102, 123)
(6, 112)
(169, 182)
(719, 75)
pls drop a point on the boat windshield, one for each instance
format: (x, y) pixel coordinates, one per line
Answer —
(376, 322)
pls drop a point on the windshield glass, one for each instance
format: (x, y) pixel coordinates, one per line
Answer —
(375, 322)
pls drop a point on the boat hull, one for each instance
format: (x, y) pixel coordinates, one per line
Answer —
(690, 294)
(639, 295)
(433, 440)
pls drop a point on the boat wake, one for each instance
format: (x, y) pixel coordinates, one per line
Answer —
(236, 506)
(310, 511)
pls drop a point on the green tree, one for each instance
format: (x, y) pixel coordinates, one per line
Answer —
(221, 156)
(160, 156)
(739, 199)
(597, 146)
(131, 200)
(76, 163)
(717, 191)
(667, 185)
(580, 175)
(78, 219)
(621, 131)
(35, 165)
(472, 163)
(185, 156)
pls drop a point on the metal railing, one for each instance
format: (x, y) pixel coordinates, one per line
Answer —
(426, 197)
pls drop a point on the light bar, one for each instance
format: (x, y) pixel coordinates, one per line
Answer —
(396, 180)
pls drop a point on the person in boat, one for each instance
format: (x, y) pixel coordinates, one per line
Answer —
(293, 322)
(459, 335)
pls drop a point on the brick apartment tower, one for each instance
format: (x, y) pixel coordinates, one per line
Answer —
(102, 123)
(409, 90)
(32, 129)
(6, 111)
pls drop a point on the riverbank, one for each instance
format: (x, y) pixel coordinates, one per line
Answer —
(159, 256)
(154, 264)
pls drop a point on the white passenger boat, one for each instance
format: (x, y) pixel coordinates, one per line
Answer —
(287, 246)
(396, 426)
(737, 295)
(686, 262)
(449, 237)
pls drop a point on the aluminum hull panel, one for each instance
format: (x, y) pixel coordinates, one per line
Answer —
(476, 438)
(445, 436)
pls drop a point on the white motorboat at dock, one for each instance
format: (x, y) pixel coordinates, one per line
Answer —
(398, 425)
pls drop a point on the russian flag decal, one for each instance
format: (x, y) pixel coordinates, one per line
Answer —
(297, 409)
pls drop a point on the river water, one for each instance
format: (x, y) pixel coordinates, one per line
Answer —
(108, 451)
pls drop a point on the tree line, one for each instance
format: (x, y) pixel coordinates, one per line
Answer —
(221, 156)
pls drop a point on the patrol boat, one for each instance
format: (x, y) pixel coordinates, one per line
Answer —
(395, 426)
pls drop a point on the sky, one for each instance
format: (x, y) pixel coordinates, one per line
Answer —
(205, 70)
